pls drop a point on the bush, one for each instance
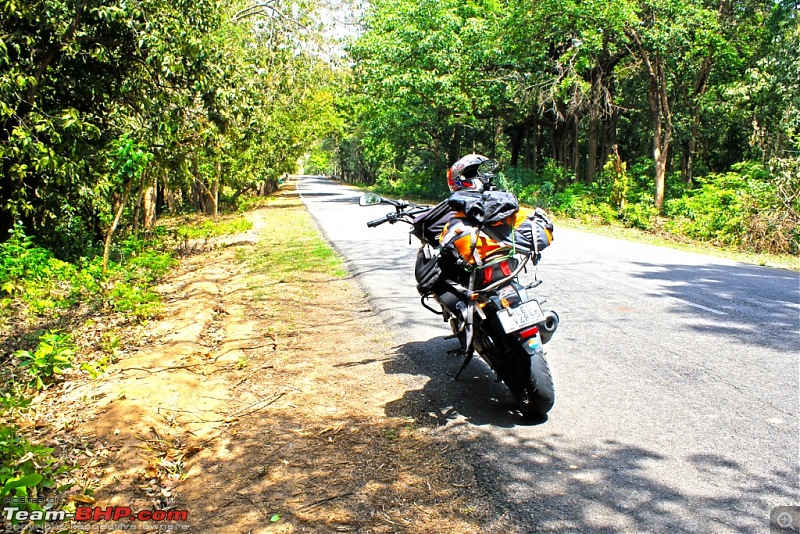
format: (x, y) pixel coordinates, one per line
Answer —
(208, 229)
(139, 301)
(25, 469)
(21, 260)
(44, 284)
(714, 212)
(639, 215)
(538, 195)
(53, 355)
(415, 184)
(518, 179)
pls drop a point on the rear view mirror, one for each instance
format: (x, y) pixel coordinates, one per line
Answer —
(369, 199)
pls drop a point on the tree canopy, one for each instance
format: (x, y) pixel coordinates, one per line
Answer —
(623, 109)
(218, 95)
(673, 95)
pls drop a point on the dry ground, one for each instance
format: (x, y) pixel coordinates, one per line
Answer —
(256, 404)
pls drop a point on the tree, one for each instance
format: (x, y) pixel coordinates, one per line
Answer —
(418, 83)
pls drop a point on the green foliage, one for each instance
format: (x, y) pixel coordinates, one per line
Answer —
(641, 215)
(208, 229)
(414, 184)
(25, 469)
(192, 95)
(14, 398)
(734, 209)
(555, 83)
(132, 299)
(45, 285)
(52, 356)
(97, 367)
(21, 260)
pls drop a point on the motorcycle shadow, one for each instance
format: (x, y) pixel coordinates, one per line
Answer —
(475, 398)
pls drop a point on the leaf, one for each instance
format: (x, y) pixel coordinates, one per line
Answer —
(9, 287)
(30, 481)
(275, 518)
(83, 499)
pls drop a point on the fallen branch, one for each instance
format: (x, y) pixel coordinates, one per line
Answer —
(160, 369)
(323, 501)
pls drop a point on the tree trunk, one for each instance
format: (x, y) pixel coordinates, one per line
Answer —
(515, 134)
(239, 192)
(160, 199)
(609, 136)
(591, 157)
(215, 189)
(594, 126)
(137, 210)
(149, 207)
(119, 206)
(688, 164)
(208, 198)
(661, 114)
(576, 153)
(537, 147)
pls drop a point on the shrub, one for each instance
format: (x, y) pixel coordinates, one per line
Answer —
(20, 259)
(53, 354)
(518, 179)
(714, 212)
(639, 215)
(25, 468)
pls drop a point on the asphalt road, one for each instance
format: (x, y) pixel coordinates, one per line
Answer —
(677, 381)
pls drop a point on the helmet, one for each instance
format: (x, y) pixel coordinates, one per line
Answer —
(463, 173)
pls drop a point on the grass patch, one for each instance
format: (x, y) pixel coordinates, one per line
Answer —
(294, 247)
(208, 229)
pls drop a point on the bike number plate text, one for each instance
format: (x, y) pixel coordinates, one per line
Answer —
(527, 314)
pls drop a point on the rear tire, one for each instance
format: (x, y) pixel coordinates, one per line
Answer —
(527, 376)
(537, 396)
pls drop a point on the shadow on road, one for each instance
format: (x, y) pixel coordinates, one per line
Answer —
(609, 487)
(475, 397)
(762, 306)
(560, 485)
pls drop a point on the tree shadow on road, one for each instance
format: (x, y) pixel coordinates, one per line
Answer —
(475, 397)
(553, 483)
(610, 487)
(761, 306)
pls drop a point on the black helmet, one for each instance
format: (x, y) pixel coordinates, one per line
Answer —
(463, 173)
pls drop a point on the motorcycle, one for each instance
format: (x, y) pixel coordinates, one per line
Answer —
(472, 273)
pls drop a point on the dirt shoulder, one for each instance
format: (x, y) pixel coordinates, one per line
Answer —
(256, 404)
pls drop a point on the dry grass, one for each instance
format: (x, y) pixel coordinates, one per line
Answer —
(257, 404)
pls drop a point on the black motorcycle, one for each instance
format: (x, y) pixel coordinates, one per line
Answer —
(469, 263)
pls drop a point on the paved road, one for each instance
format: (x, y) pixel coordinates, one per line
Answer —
(677, 381)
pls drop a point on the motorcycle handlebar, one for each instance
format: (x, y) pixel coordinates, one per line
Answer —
(400, 215)
(376, 222)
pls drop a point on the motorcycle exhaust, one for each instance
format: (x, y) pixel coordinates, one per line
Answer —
(548, 327)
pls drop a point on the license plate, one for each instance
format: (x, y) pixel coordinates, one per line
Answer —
(527, 314)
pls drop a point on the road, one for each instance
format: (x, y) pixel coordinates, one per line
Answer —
(677, 381)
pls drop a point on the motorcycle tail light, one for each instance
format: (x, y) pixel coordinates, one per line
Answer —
(530, 332)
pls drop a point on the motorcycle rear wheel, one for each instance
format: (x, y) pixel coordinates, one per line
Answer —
(536, 395)
(527, 376)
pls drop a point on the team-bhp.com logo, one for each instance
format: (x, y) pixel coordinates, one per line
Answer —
(86, 513)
